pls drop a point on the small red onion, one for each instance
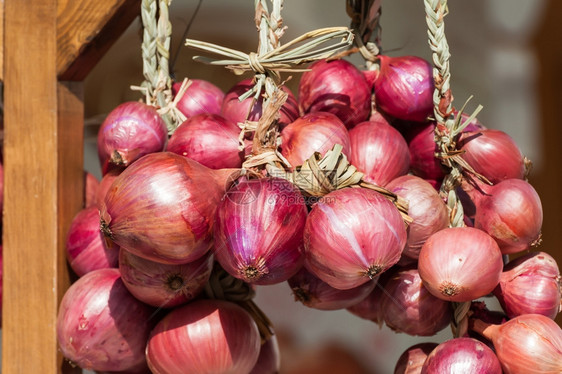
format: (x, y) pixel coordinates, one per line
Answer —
(404, 88)
(259, 231)
(314, 293)
(337, 87)
(204, 336)
(239, 111)
(86, 248)
(370, 308)
(130, 131)
(425, 207)
(526, 344)
(411, 361)
(164, 285)
(200, 97)
(408, 306)
(530, 285)
(462, 355)
(101, 326)
(91, 186)
(269, 359)
(352, 235)
(162, 207)
(423, 163)
(379, 151)
(510, 211)
(105, 183)
(493, 154)
(314, 132)
(208, 139)
(460, 264)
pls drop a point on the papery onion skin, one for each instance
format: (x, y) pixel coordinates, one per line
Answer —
(208, 139)
(404, 88)
(91, 186)
(164, 285)
(462, 355)
(162, 207)
(317, 294)
(526, 344)
(425, 207)
(423, 163)
(130, 131)
(351, 236)
(379, 151)
(314, 132)
(259, 231)
(204, 336)
(460, 264)
(337, 87)
(408, 306)
(530, 284)
(86, 248)
(101, 326)
(105, 184)
(269, 360)
(411, 361)
(200, 97)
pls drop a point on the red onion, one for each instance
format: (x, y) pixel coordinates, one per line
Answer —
(530, 285)
(379, 151)
(86, 248)
(404, 88)
(208, 139)
(370, 308)
(162, 207)
(259, 231)
(462, 355)
(314, 293)
(411, 361)
(269, 359)
(130, 131)
(493, 154)
(164, 285)
(425, 207)
(526, 344)
(352, 235)
(205, 336)
(91, 186)
(473, 125)
(423, 163)
(105, 183)
(460, 264)
(314, 132)
(409, 307)
(238, 111)
(199, 97)
(101, 326)
(510, 212)
(336, 87)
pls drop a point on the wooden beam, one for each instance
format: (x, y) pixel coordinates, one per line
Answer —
(86, 30)
(1, 40)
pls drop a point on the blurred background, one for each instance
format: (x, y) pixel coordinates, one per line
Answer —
(504, 52)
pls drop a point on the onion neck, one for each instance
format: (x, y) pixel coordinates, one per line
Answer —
(487, 330)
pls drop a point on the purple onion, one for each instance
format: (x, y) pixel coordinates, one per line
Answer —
(199, 97)
(269, 359)
(411, 361)
(423, 163)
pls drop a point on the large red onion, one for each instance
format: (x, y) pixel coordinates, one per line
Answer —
(86, 248)
(462, 355)
(408, 307)
(510, 211)
(526, 344)
(200, 97)
(208, 139)
(162, 207)
(91, 187)
(314, 293)
(411, 361)
(205, 336)
(530, 285)
(130, 131)
(314, 132)
(259, 231)
(336, 87)
(164, 285)
(404, 88)
(101, 326)
(493, 154)
(351, 236)
(269, 359)
(379, 151)
(425, 207)
(423, 163)
(460, 264)
(239, 111)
